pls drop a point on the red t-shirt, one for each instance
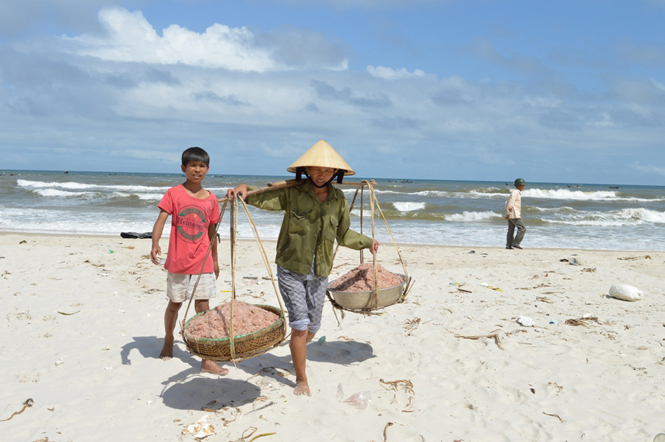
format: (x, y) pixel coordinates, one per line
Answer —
(190, 218)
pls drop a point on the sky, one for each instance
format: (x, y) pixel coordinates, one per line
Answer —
(566, 91)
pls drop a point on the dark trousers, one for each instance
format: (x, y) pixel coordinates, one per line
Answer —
(521, 230)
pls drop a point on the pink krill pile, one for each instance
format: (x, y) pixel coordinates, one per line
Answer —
(361, 279)
(247, 318)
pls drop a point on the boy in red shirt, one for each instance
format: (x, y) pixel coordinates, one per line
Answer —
(194, 213)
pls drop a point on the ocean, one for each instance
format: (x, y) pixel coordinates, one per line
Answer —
(437, 212)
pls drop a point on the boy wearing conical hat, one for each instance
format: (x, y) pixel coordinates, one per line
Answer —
(315, 215)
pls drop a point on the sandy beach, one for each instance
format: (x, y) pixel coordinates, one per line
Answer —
(82, 328)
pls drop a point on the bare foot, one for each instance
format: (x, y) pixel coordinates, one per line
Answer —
(167, 351)
(208, 366)
(302, 389)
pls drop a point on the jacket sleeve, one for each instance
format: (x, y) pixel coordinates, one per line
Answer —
(269, 200)
(347, 237)
(510, 203)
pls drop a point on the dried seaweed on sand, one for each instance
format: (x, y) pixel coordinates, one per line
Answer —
(581, 321)
(27, 404)
(361, 279)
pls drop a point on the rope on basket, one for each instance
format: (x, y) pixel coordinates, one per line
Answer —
(205, 259)
(264, 256)
(373, 299)
(233, 242)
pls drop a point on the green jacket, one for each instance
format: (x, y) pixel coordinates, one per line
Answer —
(310, 226)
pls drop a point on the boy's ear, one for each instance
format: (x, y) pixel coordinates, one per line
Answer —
(183, 168)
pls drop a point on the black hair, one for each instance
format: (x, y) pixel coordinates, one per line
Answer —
(195, 154)
(339, 174)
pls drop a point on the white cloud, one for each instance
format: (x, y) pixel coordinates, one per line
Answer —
(392, 74)
(650, 169)
(130, 38)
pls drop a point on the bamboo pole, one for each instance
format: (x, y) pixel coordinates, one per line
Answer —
(285, 184)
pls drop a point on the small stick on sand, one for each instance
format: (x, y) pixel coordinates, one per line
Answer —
(496, 337)
(385, 431)
(554, 415)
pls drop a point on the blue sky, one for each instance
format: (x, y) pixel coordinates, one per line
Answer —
(569, 91)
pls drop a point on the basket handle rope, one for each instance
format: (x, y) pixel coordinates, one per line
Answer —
(409, 280)
(233, 242)
(205, 259)
(266, 261)
(234, 238)
(373, 301)
(264, 255)
(374, 205)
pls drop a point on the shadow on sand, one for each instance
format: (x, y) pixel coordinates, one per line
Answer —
(190, 389)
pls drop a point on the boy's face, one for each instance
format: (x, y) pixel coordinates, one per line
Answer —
(195, 171)
(521, 188)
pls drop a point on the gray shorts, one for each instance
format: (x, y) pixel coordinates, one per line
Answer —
(304, 296)
(179, 287)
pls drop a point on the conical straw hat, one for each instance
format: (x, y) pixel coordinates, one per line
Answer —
(321, 155)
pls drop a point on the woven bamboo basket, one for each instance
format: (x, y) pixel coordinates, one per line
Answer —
(245, 346)
(363, 300)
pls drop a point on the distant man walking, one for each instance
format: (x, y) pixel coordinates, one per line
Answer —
(514, 216)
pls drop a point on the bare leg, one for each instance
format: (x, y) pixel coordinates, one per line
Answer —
(208, 366)
(170, 320)
(298, 346)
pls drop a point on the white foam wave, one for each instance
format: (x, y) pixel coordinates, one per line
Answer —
(408, 206)
(141, 196)
(553, 209)
(565, 194)
(77, 186)
(432, 193)
(352, 190)
(55, 193)
(472, 216)
(478, 194)
(624, 217)
(218, 191)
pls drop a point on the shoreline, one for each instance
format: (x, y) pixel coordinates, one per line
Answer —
(383, 244)
(83, 323)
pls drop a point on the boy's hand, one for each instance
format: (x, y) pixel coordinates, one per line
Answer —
(240, 190)
(375, 247)
(156, 251)
(216, 270)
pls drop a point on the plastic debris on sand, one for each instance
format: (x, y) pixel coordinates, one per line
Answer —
(525, 321)
(200, 429)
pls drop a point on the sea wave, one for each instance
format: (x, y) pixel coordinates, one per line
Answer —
(141, 196)
(408, 206)
(352, 190)
(472, 216)
(439, 193)
(55, 193)
(70, 185)
(579, 195)
(619, 218)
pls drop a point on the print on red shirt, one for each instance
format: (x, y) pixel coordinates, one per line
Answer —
(191, 224)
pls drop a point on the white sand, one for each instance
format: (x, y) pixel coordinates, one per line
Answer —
(95, 375)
